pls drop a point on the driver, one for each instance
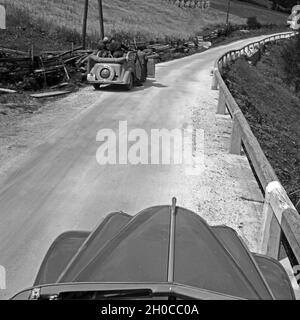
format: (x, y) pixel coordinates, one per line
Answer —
(117, 49)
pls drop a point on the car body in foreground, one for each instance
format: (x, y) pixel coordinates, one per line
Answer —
(165, 252)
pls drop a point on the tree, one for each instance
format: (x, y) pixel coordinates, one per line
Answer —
(285, 3)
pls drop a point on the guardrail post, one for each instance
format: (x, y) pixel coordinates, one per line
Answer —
(214, 85)
(272, 215)
(221, 103)
(291, 228)
(236, 138)
(272, 233)
(221, 65)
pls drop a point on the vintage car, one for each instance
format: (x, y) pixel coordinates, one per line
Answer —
(165, 251)
(131, 69)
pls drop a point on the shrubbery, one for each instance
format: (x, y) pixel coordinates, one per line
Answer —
(252, 23)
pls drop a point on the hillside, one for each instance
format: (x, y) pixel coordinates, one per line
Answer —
(245, 10)
(155, 18)
(263, 3)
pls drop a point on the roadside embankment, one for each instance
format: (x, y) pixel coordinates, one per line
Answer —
(268, 94)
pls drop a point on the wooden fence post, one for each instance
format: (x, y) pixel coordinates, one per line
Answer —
(291, 228)
(214, 85)
(236, 138)
(221, 103)
(270, 240)
(221, 65)
(274, 238)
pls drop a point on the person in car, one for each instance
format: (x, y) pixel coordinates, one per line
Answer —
(102, 52)
(117, 48)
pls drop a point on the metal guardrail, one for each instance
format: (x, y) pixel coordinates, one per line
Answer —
(281, 219)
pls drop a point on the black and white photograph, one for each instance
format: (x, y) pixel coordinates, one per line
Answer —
(149, 150)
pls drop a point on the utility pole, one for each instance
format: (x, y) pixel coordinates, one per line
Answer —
(84, 26)
(2, 16)
(101, 19)
(228, 11)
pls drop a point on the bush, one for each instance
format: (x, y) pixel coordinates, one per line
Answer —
(252, 23)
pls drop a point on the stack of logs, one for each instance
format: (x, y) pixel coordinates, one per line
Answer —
(16, 66)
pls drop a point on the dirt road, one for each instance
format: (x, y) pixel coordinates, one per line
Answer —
(60, 186)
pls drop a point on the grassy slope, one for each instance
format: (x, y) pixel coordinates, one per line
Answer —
(271, 106)
(149, 18)
(154, 18)
(263, 3)
(246, 10)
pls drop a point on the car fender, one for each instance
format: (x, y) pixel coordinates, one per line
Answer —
(127, 75)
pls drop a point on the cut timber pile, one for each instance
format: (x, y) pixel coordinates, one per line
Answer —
(16, 66)
(49, 94)
(3, 90)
